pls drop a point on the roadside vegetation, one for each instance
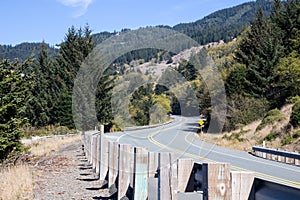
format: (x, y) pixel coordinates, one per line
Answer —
(16, 182)
(261, 70)
(17, 175)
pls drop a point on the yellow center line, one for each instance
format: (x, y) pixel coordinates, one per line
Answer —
(257, 174)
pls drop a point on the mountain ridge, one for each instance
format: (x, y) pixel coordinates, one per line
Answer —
(224, 24)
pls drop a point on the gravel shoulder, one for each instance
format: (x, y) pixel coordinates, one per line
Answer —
(66, 174)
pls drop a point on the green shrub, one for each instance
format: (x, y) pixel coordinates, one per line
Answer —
(295, 116)
(236, 136)
(287, 140)
(272, 136)
(244, 110)
(271, 117)
(296, 135)
(294, 99)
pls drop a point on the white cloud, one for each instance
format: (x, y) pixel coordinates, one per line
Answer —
(81, 4)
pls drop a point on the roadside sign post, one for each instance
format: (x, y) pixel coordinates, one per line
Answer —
(201, 124)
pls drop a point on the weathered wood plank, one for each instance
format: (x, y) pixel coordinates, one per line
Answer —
(125, 152)
(153, 164)
(167, 179)
(185, 167)
(94, 151)
(216, 181)
(89, 148)
(98, 154)
(113, 163)
(140, 173)
(104, 159)
(174, 177)
(241, 184)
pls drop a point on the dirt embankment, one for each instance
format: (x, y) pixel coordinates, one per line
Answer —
(278, 134)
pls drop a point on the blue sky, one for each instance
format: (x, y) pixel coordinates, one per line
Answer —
(49, 20)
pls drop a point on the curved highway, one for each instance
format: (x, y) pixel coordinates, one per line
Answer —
(179, 137)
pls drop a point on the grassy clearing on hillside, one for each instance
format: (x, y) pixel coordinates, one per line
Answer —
(45, 146)
(271, 117)
(47, 130)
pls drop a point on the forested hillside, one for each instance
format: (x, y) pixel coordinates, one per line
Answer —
(261, 70)
(225, 24)
(23, 51)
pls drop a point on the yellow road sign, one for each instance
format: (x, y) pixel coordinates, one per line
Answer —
(201, 122)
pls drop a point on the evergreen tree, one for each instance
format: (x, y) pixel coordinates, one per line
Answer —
(141, 102)
(14, 88)
(103, 99)
(187, 70)
(286, 16)
(76, 47)
(45, 91)
(260, 51)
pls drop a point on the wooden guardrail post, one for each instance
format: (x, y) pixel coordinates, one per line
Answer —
(264, 155)
(153, 164)
(113, 163)
(279, 157)
(140, 184)
(125, 152)
(85, 143)
(104, 159)
(241, 184)
(286, 158)
(99, 148)
(185, 167)
(90, 149)
(94, 151)
(296, 161)
(273, 157)
(216, 181)
(167, 179)
(98, 154)
(88, 156)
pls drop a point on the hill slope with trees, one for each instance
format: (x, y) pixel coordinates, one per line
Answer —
(224, 25)
(260, 70)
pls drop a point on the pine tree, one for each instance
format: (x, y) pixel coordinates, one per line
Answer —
(45, 91)
(286, 16)
(260, 50)
(14, 88)
(76, 47)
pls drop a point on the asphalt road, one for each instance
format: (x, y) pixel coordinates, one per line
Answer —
(179, 137)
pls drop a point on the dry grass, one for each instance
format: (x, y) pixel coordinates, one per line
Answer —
(243, 139)
(16, 182)
(45, 146)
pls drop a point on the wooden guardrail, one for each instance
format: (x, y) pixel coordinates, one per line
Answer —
(277, 155)
(129, 172)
